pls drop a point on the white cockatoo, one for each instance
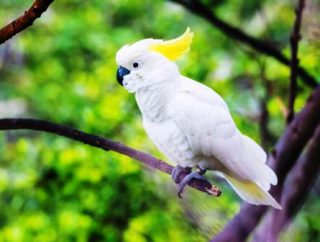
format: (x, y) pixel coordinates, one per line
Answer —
(190, 123)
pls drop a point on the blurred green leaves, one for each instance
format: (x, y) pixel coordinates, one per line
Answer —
(63, 69)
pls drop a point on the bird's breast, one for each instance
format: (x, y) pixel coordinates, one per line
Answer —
(152, 104)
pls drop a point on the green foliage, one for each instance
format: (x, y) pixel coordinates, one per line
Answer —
(62, 69)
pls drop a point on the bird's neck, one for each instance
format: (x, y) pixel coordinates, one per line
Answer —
(153, 100)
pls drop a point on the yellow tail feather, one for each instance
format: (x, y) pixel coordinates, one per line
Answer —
(252, 193)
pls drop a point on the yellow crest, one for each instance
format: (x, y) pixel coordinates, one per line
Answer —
(174, 49)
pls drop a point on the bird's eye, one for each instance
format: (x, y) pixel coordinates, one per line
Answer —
(135, 65)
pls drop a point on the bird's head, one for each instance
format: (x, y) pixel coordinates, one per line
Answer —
(150, 61)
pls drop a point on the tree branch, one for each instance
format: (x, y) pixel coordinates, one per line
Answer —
(105, 144)
(25, 20)
(268, 139)
(297, 187)
(235, 33)
(281, 160)
(294, 62)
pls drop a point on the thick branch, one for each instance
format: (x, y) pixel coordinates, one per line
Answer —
(283, 157)
(300, 181)
(25, 20)
(105, 144)
(297, 187)
(294, 62)
(235, 33)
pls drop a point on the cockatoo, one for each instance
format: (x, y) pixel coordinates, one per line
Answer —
(189, 122)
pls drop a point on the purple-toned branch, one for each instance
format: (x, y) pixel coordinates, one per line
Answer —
(105, 144)
(298, 184)
(294, 61)
(281, 160)
(25, 20)
(204, 11)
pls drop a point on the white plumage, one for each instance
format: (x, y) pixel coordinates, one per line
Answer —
(191, 124)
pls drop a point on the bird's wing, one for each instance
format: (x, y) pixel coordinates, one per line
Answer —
(201, 92)
(204, 118)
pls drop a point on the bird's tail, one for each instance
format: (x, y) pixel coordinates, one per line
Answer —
(251, 192)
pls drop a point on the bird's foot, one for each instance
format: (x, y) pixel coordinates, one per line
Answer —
(179, 172)
(198, 174)
(188, 174)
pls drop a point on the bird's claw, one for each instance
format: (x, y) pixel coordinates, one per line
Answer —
(178, 172)
(187, 178)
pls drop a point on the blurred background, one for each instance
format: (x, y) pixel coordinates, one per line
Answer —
(62, 69)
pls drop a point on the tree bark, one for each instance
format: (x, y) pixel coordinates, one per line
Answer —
(25, 20)
(298, 185)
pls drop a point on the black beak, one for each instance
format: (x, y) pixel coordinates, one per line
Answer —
(121, 72)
